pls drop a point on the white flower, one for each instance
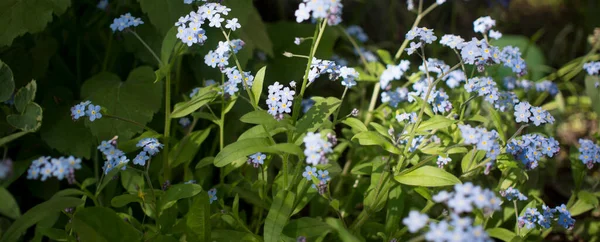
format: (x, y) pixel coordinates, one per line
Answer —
(303, 13)
(233, 24)
(216, 21)
(415, 221)
(495, 34)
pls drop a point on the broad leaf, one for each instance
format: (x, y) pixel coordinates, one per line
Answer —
(186, 149)
(394, 210)
(7, 82)
(259, 117)
(9, 206)
(168, 43)
(198, 218)
(278, 215)
(257, 85)
(233, 236)
(501, 234)
(137, 99)
(125, 199)
(307, 227)
(36, 214)
(177, 192)
(247, 147)
(355, 124)
(385, 56)
(317, 114)
(18, 17)
(29, 121)
(373, 138)
(164, 14)
(204, 96)
(435, 122)
(102, 225)
(427, 176)
(342, 232)
(25, 95)
(132, 180)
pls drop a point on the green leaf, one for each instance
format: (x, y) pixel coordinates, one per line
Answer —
(317, 114)
(497, 120)
(533, 55)
(344, 234)
(427, 176)
(204, 96)
(123, 200)
(29, 121)
(9, 206)
(16, 17)
(307, 227)
(54, 234)
(177, 192)
(257, 85)
(233, 236)
(385, 56)
(259, 117)
(137, 99)
(169, 42)
(355, 124)
(253, 30)
(205, 162)
(132, 180)
(7, 82)
(373, 138)
(186, 149)
(435, 122)
(278, 215)
(102, 225)
(394, 210)
(246, 147)
(593, 92)
(588, 198)
(471, 159)
(580, 207)
(4, 140)
(258, 131)
(164, 14)
(501, 234)
(198, 218)
(25, 95)
(36, 214)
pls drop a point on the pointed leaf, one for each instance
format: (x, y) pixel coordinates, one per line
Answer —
(25, 95)
(7, 82)
(435, 122)
(373, 138)
(247, 147)
(501, 234)
(186, 149)
(307, 227)
(102, 224)
(355, 124)
(278, 215)
(317, 114)
(428, 176)
(198, 218)
(257, 85)
(204, 96)
(9, 206)
(177, 192)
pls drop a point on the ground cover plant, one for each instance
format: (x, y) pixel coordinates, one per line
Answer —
(200, 122)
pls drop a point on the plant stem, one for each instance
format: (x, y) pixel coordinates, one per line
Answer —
(517, 218)
(337, 112)
(160, 63)
(147, 175)
(167, 129)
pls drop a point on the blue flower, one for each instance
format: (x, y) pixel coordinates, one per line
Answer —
(212, 195)
(257, 159)
(438, 232)
(78, 111)
(442, 161)
(104, 146)
(125, 21)
(522, 112)
(123, 160)
(512, 194)
(415, 221)
(565, 220)
(46, 171)
(184, 122)
(73, 163)
(309, 172)
(93, 112)
(141, 158)
(323, 175)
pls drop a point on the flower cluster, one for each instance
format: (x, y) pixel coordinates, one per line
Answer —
(393, 72)
(456, 228)
(189, 29)
(589, 152)
(510, 83)
(102, 4)
(532, 218)
(317, 148)
(394, 97)
(486, 87)
(512, 194)
(415, 221)
(524, 113)
(482, 139)
(485, 24)
(454, 78)
(150, 146)
(424, 35)
(212, 195)
(439, 100)
(358, 33)
(280, 100)
(114, 156)
(335, 72)
(125, 21)
(6, 168)
(320, 9)
(257, 159)
(192, 1)
(45, 167)
(592, 68)
(321, 175)
(369, 55)
(466, 197)
(235, 79)
(220, 57)
(530, 148)
(92, 111)
(411, 118)
(442, 161)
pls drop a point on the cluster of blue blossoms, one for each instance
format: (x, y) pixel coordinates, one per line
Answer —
(482, 139)
(189, 27)
(592, 68)
(317, 148)
(465, 198)
(124, 22)
(220, 57)
(358, 33)
(439, 100)
(511, 83)
(420, 36)
(589, 152)
(321, 67)
(512, 194)
(533, 218)
(410, 118)
(280, 99)
(320, 9)
(393, 72)
(212, 195)
(257, 159)
(45, 167)
(524, 113)
(92, 111)
(115, 157)
(6, 168)
(321, 175)
(486, 87)
(235, 79)
(530, 148)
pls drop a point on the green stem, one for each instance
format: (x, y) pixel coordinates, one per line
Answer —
(160, 63)
(167, 129)
(517, 218)
(147, 175)
(337, 112)
(129, 121)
